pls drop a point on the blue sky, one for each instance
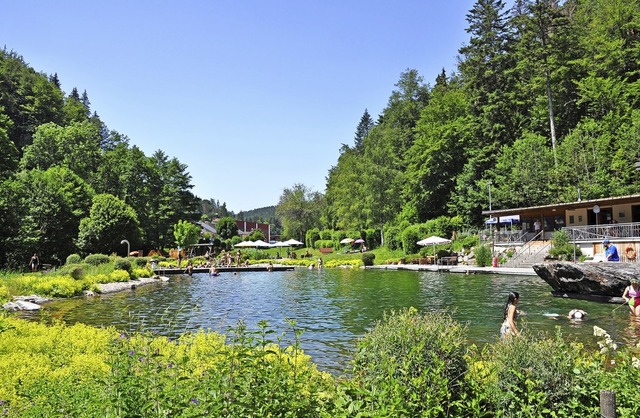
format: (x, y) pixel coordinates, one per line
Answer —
(253, 96)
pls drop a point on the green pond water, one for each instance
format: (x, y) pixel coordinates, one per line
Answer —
(334, 307)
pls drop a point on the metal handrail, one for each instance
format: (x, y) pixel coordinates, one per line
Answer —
(598, 232)
(527, 249)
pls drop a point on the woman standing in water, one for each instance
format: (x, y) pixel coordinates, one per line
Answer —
(508, 327)
(631, 295)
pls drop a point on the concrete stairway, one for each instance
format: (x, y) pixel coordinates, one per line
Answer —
(533, 252)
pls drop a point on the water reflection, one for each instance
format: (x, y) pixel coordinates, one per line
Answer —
(334, 307)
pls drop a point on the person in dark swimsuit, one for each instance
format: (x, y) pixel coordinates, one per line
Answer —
(34, 263)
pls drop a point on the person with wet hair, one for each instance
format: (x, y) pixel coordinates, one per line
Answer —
(631, 295)
(510, 316)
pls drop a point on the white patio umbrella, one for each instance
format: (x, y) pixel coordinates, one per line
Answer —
(280, 244)
(346, 241)
(245, 244)
(261, 244)
(293, 242)
(433, 240)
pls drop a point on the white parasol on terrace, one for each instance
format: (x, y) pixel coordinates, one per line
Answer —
(261, 244)
(293, 242)
(245, 244)
(433, 240)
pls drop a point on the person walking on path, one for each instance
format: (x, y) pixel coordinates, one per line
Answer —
(510, 316)
(631, 295)
(34, 262)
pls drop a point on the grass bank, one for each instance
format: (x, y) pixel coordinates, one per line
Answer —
(74, 278)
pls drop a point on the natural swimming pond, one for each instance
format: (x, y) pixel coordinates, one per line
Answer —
(334, 307)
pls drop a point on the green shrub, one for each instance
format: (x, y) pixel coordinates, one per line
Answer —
(530, 375)
(311, 236)
(393, 237)
(74, 259)
(119, 276)
(467, 241)
(565, 252)
(623, 374)
(77, 271)
(321, 243)
(336, 262)
(4, 293)
(367, 259)
(122, 264)
(563, 249)
(326, 234)
(99, 278)
(412, 365)
(372, 238)
(81, 371)
(138, 261)
(97, 259)
(141, 272)
(443, 253)
(483, 255)
(59, 286)
(411, 235)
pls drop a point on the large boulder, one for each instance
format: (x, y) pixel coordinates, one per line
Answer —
(593, 281)
(21, 305)
(25, 303)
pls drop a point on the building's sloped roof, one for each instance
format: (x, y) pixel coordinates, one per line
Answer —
(606, 201)
(207, 227)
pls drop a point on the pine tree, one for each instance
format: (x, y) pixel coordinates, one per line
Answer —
(365, 125)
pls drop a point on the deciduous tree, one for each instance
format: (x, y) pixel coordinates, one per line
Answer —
(226, 228)
(186, 234)
(110, 221)
(300, 209)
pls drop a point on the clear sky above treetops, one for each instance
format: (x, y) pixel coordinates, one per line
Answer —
(254, 96)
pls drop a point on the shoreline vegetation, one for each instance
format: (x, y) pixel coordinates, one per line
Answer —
(100, 273)
(408, 364)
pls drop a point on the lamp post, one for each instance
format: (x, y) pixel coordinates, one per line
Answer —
(489, 184)
(491, 218)
(124, 241)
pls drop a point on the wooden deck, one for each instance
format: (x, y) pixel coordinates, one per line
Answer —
(164, 272)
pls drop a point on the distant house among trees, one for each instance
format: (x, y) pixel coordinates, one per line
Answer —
(247, 227)
(208, 228)
(244, 228)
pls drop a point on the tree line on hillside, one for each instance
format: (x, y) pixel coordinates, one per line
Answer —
(69, 184)
(544, 106)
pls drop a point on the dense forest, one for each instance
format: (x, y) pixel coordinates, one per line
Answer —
(69, 184)
(544, 106)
